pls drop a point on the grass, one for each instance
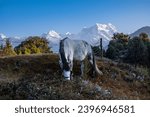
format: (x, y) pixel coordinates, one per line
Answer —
(39, 77)
(143, 71)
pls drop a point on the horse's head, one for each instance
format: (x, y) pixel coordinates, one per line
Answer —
(67, 74)
(65, 60)
(66, 68)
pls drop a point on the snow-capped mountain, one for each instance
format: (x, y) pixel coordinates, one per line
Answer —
(2, 39)
(90, 34)
(53, 37)
(2, 36)
(14, 40)
(94, 33)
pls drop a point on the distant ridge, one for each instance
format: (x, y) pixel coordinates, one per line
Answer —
(145, 29)
(90, 34)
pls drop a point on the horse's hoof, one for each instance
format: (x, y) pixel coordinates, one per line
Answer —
(67, 78)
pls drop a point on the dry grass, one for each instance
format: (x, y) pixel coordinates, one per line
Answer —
(39, 77)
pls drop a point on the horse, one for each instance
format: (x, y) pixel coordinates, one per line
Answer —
(70, 50)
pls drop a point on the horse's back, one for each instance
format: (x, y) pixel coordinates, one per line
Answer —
(77, 49)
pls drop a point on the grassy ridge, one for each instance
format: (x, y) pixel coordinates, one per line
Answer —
(39, 77)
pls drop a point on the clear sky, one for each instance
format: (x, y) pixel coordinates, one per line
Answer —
(34, 17)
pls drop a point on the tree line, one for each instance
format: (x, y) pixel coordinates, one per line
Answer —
(122, 47)
(135, 50)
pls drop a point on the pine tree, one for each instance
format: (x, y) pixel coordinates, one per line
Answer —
(121, 37)
(8, 49)
(118, 46)
(144, 37)
(137, 52)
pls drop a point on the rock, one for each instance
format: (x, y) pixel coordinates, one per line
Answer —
(114, 75)
(98, 88)
(133, 75)
(141, 78)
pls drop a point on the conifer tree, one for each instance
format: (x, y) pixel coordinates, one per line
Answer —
(8, 49)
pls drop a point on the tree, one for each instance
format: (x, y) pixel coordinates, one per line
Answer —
(8, 49)
(111, 52)
(148, 51)
(137, 52)
(117, 47)
(27, 51)
(144, 37)
(33, 45)
(121, 37)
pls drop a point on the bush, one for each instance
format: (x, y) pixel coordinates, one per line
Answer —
(33, 45)
(137, 52)
(117, 46)
(112, 52)
(121, 37)
(144, 37)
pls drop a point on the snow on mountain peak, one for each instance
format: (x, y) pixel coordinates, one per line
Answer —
(2, 39)
(94, 33)
(112, 27)
(53, 37)
(90, 34)
(53, 34)
(101, 26)
(2, 36)
(68, 33)
(15, 41)
(106, 27)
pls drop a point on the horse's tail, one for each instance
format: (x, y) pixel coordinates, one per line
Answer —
(95, 65)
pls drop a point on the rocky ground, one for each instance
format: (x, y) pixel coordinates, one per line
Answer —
(39, 77)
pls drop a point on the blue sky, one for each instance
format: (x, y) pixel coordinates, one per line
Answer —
(34, 17)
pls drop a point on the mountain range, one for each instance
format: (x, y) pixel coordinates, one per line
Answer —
(2, 38)
(90, 34)
(14, 40)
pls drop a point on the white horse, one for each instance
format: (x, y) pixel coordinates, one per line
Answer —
(78, 50)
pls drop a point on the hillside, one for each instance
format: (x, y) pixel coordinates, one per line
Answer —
(145, 29)
(39, 77)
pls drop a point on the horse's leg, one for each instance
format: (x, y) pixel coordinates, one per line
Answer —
(82, 68)
(71, 67)
(90, 58)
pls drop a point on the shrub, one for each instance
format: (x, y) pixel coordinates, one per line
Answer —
(33, 45)
(137, 52)
(117, 46)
